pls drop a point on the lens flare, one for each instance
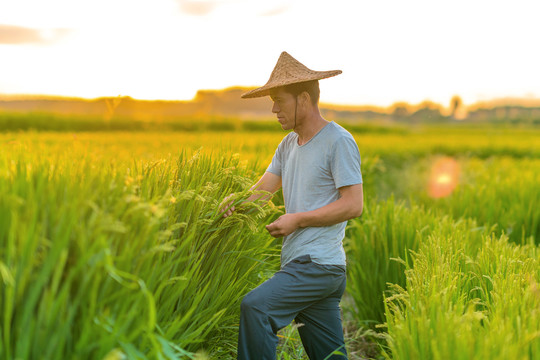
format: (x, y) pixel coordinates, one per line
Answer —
(444, 177)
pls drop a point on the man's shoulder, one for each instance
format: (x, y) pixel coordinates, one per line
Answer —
(339, 130)
(338, 133)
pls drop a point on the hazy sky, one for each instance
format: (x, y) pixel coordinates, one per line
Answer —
(389, 51)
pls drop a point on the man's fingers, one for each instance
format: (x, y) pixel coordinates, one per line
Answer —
(275, 224)
(225, 204)
(274, 234)
(228, 212)
(273, 229)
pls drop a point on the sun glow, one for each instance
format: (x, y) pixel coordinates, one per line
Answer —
(444, 177)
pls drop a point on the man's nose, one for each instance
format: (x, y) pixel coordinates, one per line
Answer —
(275, 108)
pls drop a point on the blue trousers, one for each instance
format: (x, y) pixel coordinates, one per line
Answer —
(304, 291)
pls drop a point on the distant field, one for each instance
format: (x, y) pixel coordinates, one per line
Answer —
(43, 121)
(49, 121)
(111, 244)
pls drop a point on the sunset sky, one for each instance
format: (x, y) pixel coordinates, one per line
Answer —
(389, 51)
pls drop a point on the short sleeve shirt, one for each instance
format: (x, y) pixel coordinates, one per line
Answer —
(311, 175)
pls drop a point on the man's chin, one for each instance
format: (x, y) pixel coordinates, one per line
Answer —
(285, 127)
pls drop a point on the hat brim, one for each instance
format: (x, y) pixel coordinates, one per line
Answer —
(265, 89)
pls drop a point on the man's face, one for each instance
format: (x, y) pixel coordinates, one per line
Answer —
(284, 107)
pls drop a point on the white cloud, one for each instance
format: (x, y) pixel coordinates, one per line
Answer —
(197, 8)
(17, 35)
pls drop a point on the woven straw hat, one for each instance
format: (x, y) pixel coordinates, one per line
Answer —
(288, 71)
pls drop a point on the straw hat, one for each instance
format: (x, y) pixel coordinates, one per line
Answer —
(288, 71)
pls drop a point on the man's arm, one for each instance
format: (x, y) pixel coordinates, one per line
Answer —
(348, 206)
(268, 182)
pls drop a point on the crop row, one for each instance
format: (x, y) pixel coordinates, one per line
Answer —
(104, 256)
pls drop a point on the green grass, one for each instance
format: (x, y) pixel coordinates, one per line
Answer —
(111, 245)
(44, 121)
(467, 298)
(140, 262)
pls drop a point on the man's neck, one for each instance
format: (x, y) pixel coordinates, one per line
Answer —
(309, 127)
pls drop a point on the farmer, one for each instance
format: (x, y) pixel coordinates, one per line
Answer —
(318, 166)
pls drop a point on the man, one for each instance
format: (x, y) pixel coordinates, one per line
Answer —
(318, 166)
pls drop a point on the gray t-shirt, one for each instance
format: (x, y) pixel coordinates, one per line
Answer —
(311, 175)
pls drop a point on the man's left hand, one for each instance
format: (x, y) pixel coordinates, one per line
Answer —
(283, 226)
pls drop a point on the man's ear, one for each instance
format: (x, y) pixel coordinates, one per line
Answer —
(305, 99)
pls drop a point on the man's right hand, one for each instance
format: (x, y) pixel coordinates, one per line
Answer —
(268, 182)
(226, 207)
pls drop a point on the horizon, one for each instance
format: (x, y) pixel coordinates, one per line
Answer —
(488, 103)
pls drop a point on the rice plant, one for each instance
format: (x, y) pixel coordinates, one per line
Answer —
(138, 263)
(112, 245)
(467, 300)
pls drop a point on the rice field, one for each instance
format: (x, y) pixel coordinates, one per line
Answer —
(112, 245)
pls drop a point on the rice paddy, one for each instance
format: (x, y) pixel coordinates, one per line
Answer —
(112, 245)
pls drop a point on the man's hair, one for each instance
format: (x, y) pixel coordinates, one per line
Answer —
(311, 87)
